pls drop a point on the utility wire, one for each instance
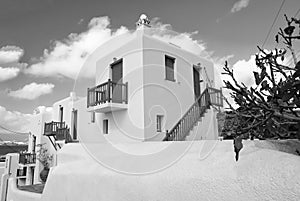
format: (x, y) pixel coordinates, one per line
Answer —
(15, 132)
(297, 13)
(274, 21)
(6, 145)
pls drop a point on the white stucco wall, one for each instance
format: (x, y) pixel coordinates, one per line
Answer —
(68, 106)
(2, 167)
(164, 97)
(14, 194)
(148, 92)
(87, 130)
(207, 171)
(126, 125)
(37, 128)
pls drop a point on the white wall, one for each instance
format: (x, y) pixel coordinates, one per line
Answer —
(149, 93)
(67, 104)
(37, 128)
(2, 167)
(207, 171)
(86, 130)
(14, 194)
(164, 97)
(126, 125)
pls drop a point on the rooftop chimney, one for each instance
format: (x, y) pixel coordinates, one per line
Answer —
(143, 22)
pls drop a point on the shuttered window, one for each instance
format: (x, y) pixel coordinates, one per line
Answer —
(169, 65)
(105, 126)
(159, 122)
(93, 117)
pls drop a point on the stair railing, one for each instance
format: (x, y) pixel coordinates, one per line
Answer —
(190, 118)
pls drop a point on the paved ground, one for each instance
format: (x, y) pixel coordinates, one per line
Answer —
(37, 188)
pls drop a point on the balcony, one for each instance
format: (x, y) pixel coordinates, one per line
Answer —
(57, 129)
(27, 159)
(107, 97)
(216, 97)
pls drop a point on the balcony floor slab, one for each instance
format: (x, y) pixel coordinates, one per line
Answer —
(108, 107)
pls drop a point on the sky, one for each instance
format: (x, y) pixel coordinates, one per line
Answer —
(43, 43)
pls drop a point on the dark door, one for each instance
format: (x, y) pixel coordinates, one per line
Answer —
(33, 143)
(74, 124)
(61, 114)
(196, 76)
(117, 79)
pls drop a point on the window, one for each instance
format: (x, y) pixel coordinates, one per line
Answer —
(169, 65)
(159, 122)
(93, 117)
(105, 126)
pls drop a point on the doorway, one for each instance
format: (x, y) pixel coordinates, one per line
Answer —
(196, 77)
(74, 124)
(61, 114)
(117, 79)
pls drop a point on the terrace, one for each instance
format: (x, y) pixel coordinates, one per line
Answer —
(27, 158)
(59, 130)
(107, 97)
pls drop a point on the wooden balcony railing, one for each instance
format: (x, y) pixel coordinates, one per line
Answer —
(53, 128)
(27, 158)
(215, 96)
(63, 134)
(109, 91)
(59, 130)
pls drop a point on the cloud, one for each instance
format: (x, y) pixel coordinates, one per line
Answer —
(80, 21)
(14, 120)
(9, 54)
(243, 71)
(32, 91)
(42, 109)
(8, 73)
(239, 5)
(17, 121)
(65, 58)
(184, 40)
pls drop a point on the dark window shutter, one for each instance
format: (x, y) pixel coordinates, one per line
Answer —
(169, 65)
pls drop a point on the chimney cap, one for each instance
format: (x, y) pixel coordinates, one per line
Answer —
(143, 20)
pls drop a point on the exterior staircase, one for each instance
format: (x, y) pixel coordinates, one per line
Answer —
(209, 97)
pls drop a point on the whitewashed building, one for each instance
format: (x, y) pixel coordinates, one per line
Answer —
(145, 90)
